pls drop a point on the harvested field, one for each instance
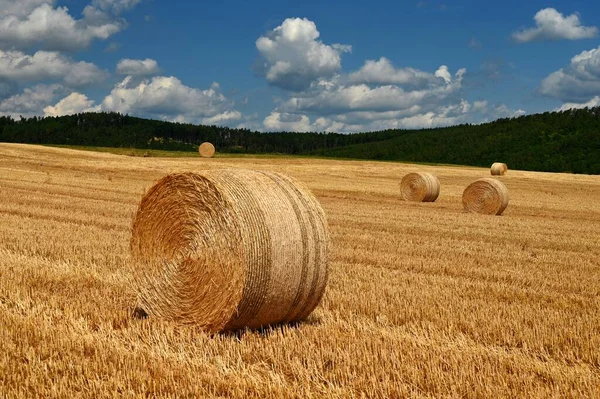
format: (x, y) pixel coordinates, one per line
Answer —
(424, 299)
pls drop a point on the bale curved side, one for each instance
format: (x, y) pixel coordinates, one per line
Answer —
(486, 196)
(206, 150)
(420, 187)
(261, 237)
(498, 169)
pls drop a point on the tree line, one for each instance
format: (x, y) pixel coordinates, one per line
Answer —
(565, 141)
(111, 129)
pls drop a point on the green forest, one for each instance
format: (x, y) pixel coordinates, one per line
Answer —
(566, 141)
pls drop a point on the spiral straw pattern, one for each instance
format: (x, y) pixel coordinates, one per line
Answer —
(228, 249)
(487, 196)
(420, 187)
(206, 150)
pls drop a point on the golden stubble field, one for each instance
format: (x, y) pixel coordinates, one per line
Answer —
(423, 300)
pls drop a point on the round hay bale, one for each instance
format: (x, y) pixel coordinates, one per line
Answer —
(228, 249)
(206, 150)
(421, 187)
(498, 169)
(486, 196)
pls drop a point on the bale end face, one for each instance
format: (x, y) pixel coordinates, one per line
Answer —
(498, 169)
(420, 187)
(184, 252)
(206, 150)
(485, 196)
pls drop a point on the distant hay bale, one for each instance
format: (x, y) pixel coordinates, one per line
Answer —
(421, 187)
(228, 249)
(487, 196)
(206, 150)
(498, 169)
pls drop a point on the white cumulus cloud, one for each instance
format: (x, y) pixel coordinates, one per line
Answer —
(333, 96)
(74, 103)
(443, 73)
(593, 102)
(161, 97)
(20, 8)
(55, 29)
(552, 25)
(578, 82)
(137, 67)
(379, 95)
(167, 98)
(338, 105)
(293, 57)
(415, 118)
(48, 65)
(30, 102)
(383, 72)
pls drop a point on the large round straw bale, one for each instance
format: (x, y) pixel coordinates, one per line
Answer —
(487, 196)
(498, 169)
(421, 187)
(228, 249)
(206, 150)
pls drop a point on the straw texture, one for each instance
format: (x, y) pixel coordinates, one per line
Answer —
(229, 249)
(498, 169)
(486, 196)
(206, 150)
(421, 187)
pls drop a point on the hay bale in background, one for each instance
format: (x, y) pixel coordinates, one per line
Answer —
(228, 249)
(421, 187)
(486, 196)
(206, 150)
(498, 169)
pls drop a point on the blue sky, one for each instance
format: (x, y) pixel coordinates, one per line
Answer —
(313, 66)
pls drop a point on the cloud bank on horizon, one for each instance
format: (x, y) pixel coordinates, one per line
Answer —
(308, 86)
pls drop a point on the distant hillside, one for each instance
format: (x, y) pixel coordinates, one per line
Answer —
(116, 130)
(567, 141)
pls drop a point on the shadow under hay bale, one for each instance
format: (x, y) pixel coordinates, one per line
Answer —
(420, 187)
(139, 313)
(229, 249)
(487, 196)
(266, 331)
